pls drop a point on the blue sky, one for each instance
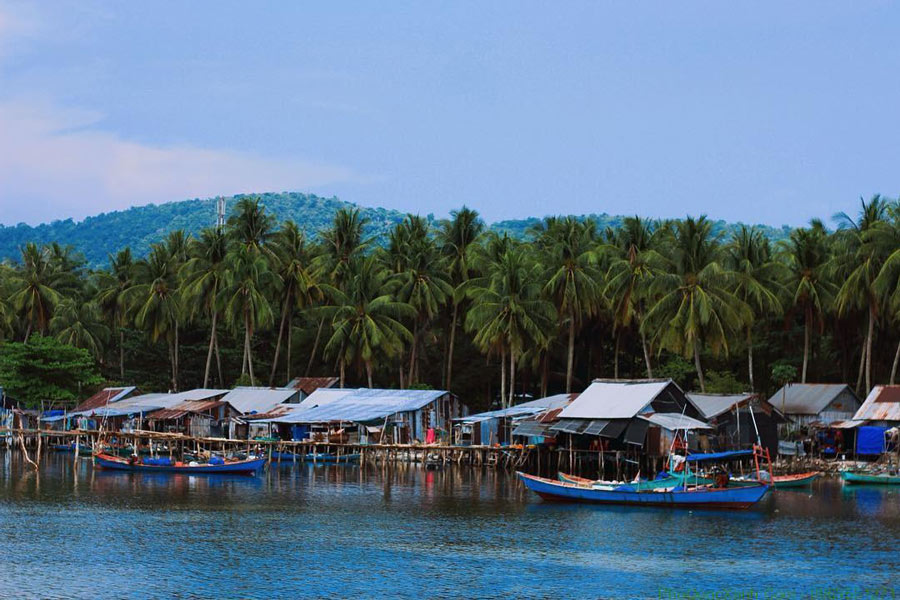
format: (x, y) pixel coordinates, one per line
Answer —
(766, 112)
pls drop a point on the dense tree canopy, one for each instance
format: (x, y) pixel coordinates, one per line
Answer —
(46, 370)
(445, 303)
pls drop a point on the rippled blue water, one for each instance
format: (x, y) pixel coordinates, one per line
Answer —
(343, 531)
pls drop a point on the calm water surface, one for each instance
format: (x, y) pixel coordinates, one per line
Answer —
(356, 532)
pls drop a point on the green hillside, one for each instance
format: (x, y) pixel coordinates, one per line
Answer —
(98, 236)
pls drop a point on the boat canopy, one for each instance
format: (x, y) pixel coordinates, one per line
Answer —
(719, 455)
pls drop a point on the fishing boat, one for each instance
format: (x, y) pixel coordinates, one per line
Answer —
(165, 465)
(666, 480)
(796, 480)
(878, 478)
(82, 450)
(678, 497)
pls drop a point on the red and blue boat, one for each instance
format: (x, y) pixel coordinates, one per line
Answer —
(702, 496)
(248, 466)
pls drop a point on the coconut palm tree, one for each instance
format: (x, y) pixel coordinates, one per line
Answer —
(858, 261)
(456, 238)
(247, 287)
(35, 288)
(886, 237)
(634, 263)
(508, 310)
(112, 297)
(300, 284)
(80, 324)
(341, 243)
(695, 304)
(204, 275)
(758, 279)
(573, 279)
(156, 300)
(250, 225)
(366, 319)
(807, 256)
(423, 281)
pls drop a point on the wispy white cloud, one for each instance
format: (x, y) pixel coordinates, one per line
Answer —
(55, 163)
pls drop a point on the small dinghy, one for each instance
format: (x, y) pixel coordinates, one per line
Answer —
(216, 464)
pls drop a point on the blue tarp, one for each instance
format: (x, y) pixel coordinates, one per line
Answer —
(719, 455)
(870, 440)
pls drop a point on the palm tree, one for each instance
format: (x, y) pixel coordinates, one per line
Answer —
(204, 275)
(341, 243)
(35, 292)
(300, 284)
(456, 238)
(248, 281)
(858, 262)
(112, 296)
(807, 255)
(758, 279)
(696, 305)
(574, 281)
(886, 237)
(630, 273)
(422, 279)
(365, 318)
(250, 225)
(80, 324)
(156, 300)
(508, 311)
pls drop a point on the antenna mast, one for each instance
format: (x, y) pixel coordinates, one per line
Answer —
(220, 213)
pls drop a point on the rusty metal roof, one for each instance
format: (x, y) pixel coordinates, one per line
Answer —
(811, 398)
(187, 407)
(104, 397)
(308, 385)
(713, 405)
(882, 404)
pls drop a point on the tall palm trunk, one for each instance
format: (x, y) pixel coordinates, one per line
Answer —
(175, 362)
(750, 356)
(896, 361)
(172, 364)
(312, 356)
(616, 356)
(219, 360)
(512, 378)
(412, 354)
(369, 373)
(862, 369)
(452, 341)
(121, 354)
(869, 337)
(287, 366)
(284, 313)
(570, 362)
(503, 378)
(545, 372)
(699, 367)
(646, 353)
(247, 334)
(805, 345)
(212, 344)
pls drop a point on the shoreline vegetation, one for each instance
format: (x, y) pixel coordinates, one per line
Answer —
(452, 305)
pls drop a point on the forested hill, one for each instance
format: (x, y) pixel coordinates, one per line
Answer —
(98, 236)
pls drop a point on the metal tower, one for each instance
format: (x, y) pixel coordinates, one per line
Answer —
(220, 212)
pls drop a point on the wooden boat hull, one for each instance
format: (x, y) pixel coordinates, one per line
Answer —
(82, 450)
(798, 480)
(113, 463)
(730, 498)
(649, 484)
(851, 477)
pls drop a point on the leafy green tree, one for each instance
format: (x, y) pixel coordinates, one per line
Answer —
(35, 292)
(808, 259)
(574, 280)
(696, 304)
(456, 238)
(758, 278)
(46, 370)
(80, 324)
(366, 319)
(112, 297)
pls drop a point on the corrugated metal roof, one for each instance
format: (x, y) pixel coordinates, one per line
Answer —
(674, 421)
(882, 404)
(713, 405)
(147, 402)
(323, 396)
(362, 405)
(257, 400)
(104, 397)
(184, 408)
(808, 398)
(532, 407)
(308, 385)
(614, 399)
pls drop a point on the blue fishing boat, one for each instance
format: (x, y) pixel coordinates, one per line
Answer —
(248, 466)
(677, 497)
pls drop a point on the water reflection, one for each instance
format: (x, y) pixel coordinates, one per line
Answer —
(401, 531)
